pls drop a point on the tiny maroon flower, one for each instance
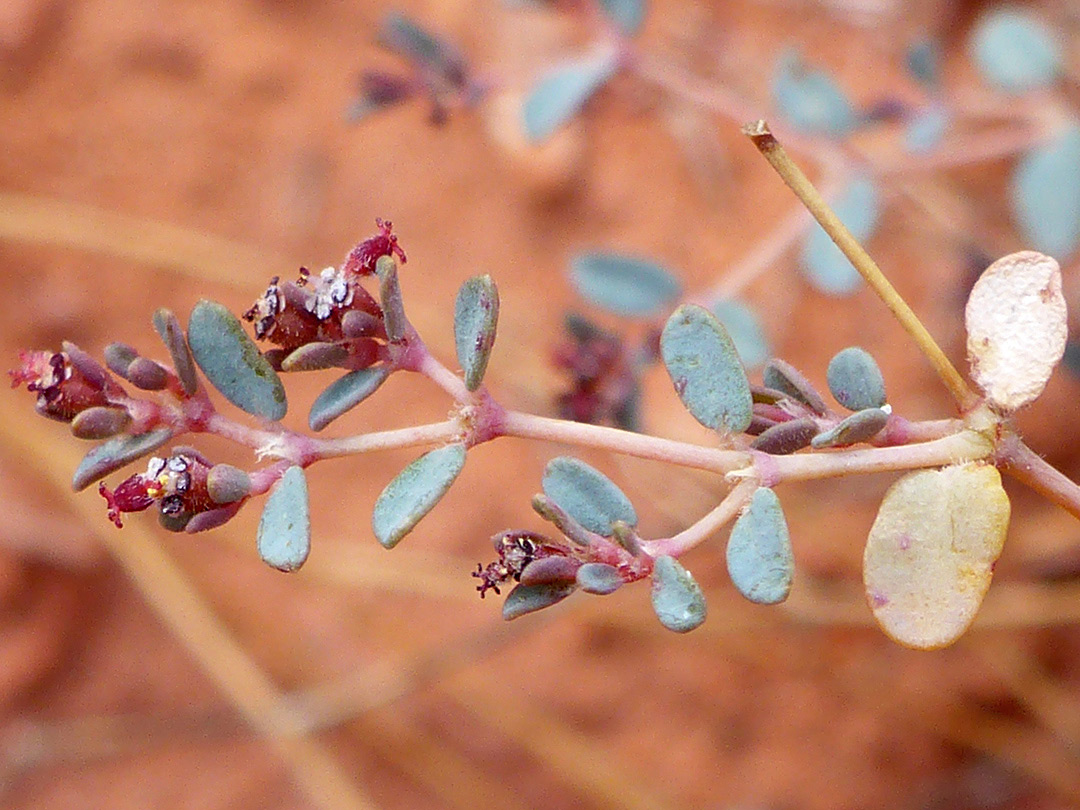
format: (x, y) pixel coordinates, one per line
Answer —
(516, 549)
(177, 484)
(361, 259)
(63, 390)
(603, 381)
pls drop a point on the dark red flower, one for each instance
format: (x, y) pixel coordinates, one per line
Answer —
(177, 484)
(361, 259)
(63, 390)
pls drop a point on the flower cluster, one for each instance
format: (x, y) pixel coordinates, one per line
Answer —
(330, 319)
(516, 550)
(64, 386)
(603, 380)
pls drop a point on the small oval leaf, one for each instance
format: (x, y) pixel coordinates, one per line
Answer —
(100, 422)
(476, 319)
(315, 357)
(415, 492)
(931, 552)
(677, 599)
(705, 369)
(624, 285)
(114, 454)
(172, 335)
(1014, 51)
(561, 93)
(227, 484)
(627, 14)
(531, 598)
(787, 437)
(759, 556)
(779, 375)
(810, 99)
(1017, 327)
(855, 379)
(861, 426)
(1045, 194)
(344, 394)
(550, 569)
(284, 536)
(825, 266)
(599, 578)
(232, 363)
(587, 495)
(393, 307)
(743, 325)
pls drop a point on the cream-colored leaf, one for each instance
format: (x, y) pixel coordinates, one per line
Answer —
(1016, 325)
(931, 552)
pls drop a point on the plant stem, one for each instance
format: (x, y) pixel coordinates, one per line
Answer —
(1028, 467)
(387, 439)
(798, 182)
(707, 526)
(528, 426)
(967, 445)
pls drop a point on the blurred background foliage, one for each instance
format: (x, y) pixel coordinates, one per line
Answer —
(159, 152)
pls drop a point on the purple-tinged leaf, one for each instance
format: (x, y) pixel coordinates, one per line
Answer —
(147, 375)
(284, 536)
(211, 519)
(786, 437)
(315, 357)
(779, 375)
(86, 365)
(550, 569)
(390, 295)
(101, 422)
(172, 335)
(116, 453)
(476, 318)
(624, 285)
(705, 369)
(232, 362)
(414, 492)
(118, 356)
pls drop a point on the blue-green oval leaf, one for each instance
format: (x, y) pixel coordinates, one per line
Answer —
(925, 131)
(624, 285)
(587, 495)
(561, 93)
(825, 266)
(627, 14)
(344, 394)
(1045, 194)
(284, 536)
(116, 453)
(531, 598)
(1015, 51)
(599, 578)
(705, 369)
(759, 557)
(677, 599)
(476, 318)
(415, 492)
(743, 325)
(810, 99)
(232, 363)
(855, 379)
(860, 426)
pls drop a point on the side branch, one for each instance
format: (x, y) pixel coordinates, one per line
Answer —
(1029, 468)
(798, 182)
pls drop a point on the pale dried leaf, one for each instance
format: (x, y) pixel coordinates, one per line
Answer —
(1016, 325)
(931, 552)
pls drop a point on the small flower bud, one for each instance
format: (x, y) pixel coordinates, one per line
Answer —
(100, 422)
(147, 375)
